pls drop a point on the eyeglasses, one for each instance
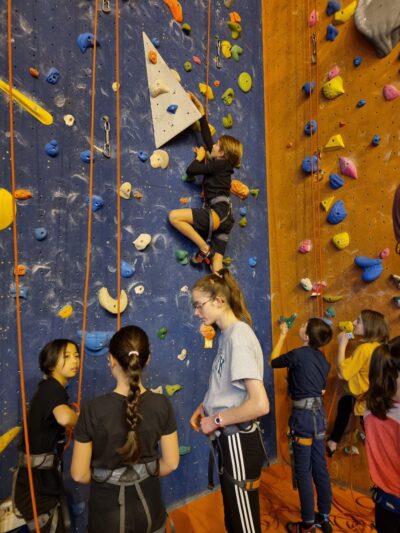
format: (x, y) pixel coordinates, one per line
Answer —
(197, 306)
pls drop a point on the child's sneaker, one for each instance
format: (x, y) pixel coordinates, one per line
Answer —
(202, 257)
(322, 523)
(300, 527)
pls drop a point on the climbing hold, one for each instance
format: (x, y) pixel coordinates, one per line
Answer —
(157, 390)
(334, 71)
(318, 287)
(243, 211)
(206, 90)
(142, 242)
(236, 52)
(97, 202)
(289, 321)
(310, 128)
(127, 270)
(34, 72)
(343, 15)
(226, 49)
(235, 17)
(175, 8)
(227, 261)
(243, 222)
(396, 278)
(172, 109)
(357, 61)
(361, 103)
(125, 190)
(159, 159)
(346, 326)
(245, 82)
(396, 300)
(186, 28)
(23, 292)
(338, 213)
(351, 450)
(85, 41)
(335, 181)
(40, 234)
(182, 256)
(200, 153)
(227, 121)
(96, 342)
(8, 437)
(228, 3)
(306, 284)
(347, 167)
(332, 298)
(236, 29)
(172, 389)
(331, 32)
(22, 194)
(228, 96)
(310, 164)
(29, 105)
(384, 253)
(390, 92)
(20, 270)
(155, 42)
(313, 18)
(187, 179)
(111, 304)
(332, 7)
(330, 312)
(85, 156)
(305, 246)
(183, 354)
(138, 195)
(375, 140)
(162, 333)
(335, 143)
(308, 87)
(66, 311)
(196, 60)
(158, 87)
(207, 331)
(115, 86)
(252, 261)
(372, 268)
(53, 75)
(139, 289)
(187, 65)
(254, 192)
(143, 156)
(69, 120)
(51, 148)
(152, 57)
(239, 189)
(341, 240)
(333, 88)
(176, 75)
(184, 450)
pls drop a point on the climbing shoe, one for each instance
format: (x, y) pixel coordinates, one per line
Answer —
(322, 523)
(300, 527)
(202, 257)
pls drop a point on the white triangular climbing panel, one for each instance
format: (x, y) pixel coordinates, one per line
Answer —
(165, 91)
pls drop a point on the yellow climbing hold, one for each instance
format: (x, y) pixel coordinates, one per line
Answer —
(206, 90)
(332, 298)
(66, 311)
(226, 49)
(347, 326)
(341, 240)
(6, 208)
(333, 88)
(213, 131)
(29, 105)
(8, 437)
(326, 204)
(335, 143)
(343, 15)
(171, 389)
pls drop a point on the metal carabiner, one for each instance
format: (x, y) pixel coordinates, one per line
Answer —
(217, 59)
(107, 129)
(106, 8)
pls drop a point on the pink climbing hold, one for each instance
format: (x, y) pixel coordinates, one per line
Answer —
(347, 167)
(197, 60)
(390, 92)
(305, 246)
(313, 18)
(335, 71)
(384, 253)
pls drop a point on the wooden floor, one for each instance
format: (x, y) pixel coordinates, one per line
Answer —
(351, 511)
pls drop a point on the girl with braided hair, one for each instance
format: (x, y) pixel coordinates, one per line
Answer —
(235, 399)
(124, 441)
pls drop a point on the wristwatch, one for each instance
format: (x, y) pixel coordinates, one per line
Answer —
(218, 420)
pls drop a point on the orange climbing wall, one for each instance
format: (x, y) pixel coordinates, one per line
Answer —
(294, 199)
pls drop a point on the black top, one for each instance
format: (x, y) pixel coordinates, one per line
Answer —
(102, 421)
(308, 370)
(217, 172)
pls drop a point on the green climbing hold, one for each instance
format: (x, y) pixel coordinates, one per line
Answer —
(289, 320)
(228, 96)
(236, 51)
(227, 261)
(243, 222)
(184, 450)
(162, 333)
(245, 82)
(227, 121)
(187, 65)
(187, 178)
(182, 256)
(236, 29)
(186, 28)
(254, 192)
(172, 389)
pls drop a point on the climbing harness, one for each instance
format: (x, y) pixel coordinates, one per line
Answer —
(107, 129)
(218, 200)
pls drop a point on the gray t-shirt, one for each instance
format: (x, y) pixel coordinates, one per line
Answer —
(239, 357)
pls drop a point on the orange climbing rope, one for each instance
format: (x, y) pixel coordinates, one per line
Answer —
(208, 53)
(118, 136)
(15, 250)
(89, 228)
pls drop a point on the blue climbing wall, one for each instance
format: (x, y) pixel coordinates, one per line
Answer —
(44, 36)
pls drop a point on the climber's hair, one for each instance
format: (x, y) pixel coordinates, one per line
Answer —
(232, 148)
(375, 326)
(130, 347)
(223, 284)
(52, 352)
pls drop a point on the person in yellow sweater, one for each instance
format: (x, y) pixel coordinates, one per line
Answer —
(371, 326)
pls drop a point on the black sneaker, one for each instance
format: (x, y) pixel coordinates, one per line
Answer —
(300, 527)
(321, 524)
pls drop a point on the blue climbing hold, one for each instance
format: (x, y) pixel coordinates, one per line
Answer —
(156, 42)
(331, 32)
(308, 87)
(375, 140)
(23, 292)
(243, 211)
(310, 128)
(361, 103)
(310, 164)
(337, 213)
(96, 342)
(85, 156)
(372, 268)
(357, 61)
(364, 262)
(252, 262)
(332, 7)
(335, 181)
(172, 108)
(97, 202)
(143, 156)
(127, 270)
(53, 75)
(40, 234)
(85, 41)
(52, 148)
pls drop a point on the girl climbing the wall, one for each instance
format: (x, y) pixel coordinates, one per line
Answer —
(209, 226)
(117, 441)
(49, 415)
(235, 399)
(382, 428)
(371, 326)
